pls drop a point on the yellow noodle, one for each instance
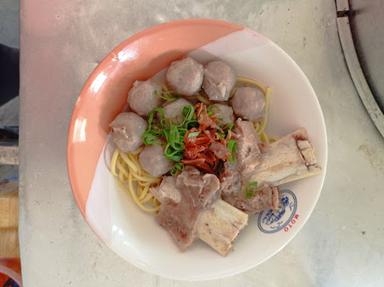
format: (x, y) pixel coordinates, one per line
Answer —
(113, 162)
(264, 137)
(130, 164)
(148, 198)
(136, 152)
(142, 183)
(265, 118)
(243, 80)
(145, 178)
(131, 190)
(272, 139)
(134, 180)
(138, 203)
(121, 176)
(144, 192)
(122, 169)
(133, 158)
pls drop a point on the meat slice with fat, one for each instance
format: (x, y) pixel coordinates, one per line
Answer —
(191, 208)
(233, 191)
(248, 152)
(288, 159)
(196, 192)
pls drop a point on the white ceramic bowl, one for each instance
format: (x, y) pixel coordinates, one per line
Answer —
(135, 235)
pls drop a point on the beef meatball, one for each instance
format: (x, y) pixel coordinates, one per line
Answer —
(185, 76)
(219, 80)
(223, 113)
(153, 161)
(248, 103)
(174, 110)
(127, 131)
(144, 97)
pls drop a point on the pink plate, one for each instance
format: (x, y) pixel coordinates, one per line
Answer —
(135, 235)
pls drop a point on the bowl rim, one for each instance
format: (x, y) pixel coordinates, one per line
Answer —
(100, 67)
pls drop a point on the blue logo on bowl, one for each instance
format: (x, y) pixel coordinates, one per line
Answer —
(272, 221)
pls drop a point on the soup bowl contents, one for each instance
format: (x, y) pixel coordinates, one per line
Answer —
(193, 152)
(197, 149)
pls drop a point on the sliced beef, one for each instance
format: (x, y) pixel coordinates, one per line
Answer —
(264, 198)
(288, 159)
(230, 179)
(248, 152)
(218, 224)
(198, 192)
(167, 190)
(233, 191)
(219, 149)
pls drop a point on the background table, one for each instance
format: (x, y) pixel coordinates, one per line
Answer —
(62, 42)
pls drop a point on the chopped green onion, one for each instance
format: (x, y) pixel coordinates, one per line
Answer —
(160, 129)
(230, 126)
(150, 138)
(177, 168)
(251, 189)
(220, 134)
(232, 147)
(210, 110)
(193, 134)
(252, 184)
(188, 113)
(167, 95)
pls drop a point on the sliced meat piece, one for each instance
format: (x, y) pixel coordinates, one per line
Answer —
(223, 113)
(248, 103)
(153, 161)
(167, 190)
(209, 193)
(203, 189)
(248, 152)
(219, 149)
(127, 131)
(174, 110)
(219, 80)
(197, 193)
(289, 158)
(230, 179)
(233, 191)
(218, 225)
(144, 96)
(185, 76)
(265, 198)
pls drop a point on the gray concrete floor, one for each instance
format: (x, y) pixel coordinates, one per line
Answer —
(9, 35)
